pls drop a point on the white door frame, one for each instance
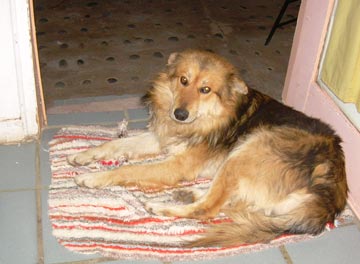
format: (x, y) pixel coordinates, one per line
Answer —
(18, 101)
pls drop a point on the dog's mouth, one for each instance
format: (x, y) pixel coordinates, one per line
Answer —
(182, 115)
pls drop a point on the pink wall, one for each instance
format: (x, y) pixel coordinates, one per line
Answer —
(303, 92)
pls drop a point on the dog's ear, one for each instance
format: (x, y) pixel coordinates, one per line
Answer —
(172, 57)
(239, 85)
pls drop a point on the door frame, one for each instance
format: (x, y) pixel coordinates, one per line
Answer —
(303, 91)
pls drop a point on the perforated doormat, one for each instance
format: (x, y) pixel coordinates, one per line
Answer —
(91, 48)
(113, 222)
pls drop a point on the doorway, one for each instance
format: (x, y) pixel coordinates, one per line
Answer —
(100, 50)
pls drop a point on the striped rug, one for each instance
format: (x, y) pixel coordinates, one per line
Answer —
(113, 222)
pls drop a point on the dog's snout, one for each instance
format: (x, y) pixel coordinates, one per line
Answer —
(181, 114)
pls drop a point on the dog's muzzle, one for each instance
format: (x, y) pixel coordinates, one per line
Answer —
(181, 114)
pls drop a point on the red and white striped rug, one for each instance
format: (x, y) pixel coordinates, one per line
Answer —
(113, 221)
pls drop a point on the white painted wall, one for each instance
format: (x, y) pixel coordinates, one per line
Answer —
(18, 104)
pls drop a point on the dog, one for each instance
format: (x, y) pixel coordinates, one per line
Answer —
(273, 169)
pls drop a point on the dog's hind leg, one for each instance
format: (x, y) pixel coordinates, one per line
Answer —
(142, 145)
(207, 206)
(231, 184)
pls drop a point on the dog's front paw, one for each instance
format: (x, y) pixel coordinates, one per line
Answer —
(80, 159)
(93, 180)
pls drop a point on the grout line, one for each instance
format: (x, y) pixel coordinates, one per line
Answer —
(90, 261)
(138, 120)
(17, 190)
(24, 189)
(40, 242)
(126, 114)
(285, 255)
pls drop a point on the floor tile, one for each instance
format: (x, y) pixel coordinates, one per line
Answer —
(85, 118)
(338, 246)
(18, 166)
(18, 237)
(270, 256)
(138, 113)
(137, 125)
(45, 170)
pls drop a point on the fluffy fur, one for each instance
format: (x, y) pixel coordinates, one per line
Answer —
(274, 170)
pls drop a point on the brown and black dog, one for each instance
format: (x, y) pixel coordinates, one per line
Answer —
(274, 170)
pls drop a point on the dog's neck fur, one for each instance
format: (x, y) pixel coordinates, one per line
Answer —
(246, 108)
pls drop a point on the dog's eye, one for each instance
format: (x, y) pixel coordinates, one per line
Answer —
(205, 90)
(184, 80)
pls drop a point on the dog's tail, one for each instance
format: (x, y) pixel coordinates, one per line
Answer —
(248, 227)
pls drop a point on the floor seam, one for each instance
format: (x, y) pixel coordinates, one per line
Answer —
(285, 254)
(138, 120)
(38, 190)
(89, 261)
(18, 190)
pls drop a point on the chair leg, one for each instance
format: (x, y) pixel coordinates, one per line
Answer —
(277, 21)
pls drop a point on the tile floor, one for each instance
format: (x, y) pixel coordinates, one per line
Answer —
(25, 230)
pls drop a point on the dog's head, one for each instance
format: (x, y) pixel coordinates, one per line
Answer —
(201, 84)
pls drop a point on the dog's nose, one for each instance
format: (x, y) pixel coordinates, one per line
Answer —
(181, 114)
